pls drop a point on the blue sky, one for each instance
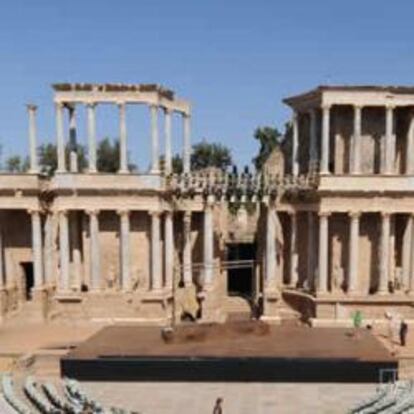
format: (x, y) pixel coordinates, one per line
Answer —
(234, 60)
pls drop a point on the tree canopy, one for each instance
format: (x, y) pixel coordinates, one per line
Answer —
(107, 158)
(269, 138)
(206, 154)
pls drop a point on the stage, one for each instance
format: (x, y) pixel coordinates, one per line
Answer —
(244, 351)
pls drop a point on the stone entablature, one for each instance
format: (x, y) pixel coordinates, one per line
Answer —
(149, 94)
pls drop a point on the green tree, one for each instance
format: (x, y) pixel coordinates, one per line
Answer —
(107, 156)
(16, 164)
(47, 154)
(206, 154)
(269, 138)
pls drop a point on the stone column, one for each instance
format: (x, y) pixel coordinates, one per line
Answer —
(187, 251)
(295, 144)
(95, 259)
(409, 155)
(63, 285)
(389, 140)
(355, 161)
(311, 251)
(124, 243)
(294, 257)
(187, 144)
(155, 152)
(325, 139)
(155, 251)
(73, 154)
(2, 274)
(74, 237)
(60, 138)
(91, 137)
(410, 275)
(208, 242)
(34, 168)
(168, 156)
(406, 251)
(323, 252)
(37, 249)
(384, 253)
(48, 253)
(270, 258)
(313, 140)
(123, 146)
(353, 257)
(169, 249)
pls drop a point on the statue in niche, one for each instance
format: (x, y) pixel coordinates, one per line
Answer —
(111, 277)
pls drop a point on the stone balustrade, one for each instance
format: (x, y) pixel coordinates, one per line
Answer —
(238, 187)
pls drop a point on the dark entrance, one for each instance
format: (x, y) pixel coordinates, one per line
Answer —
(240, 273)
(28, 279)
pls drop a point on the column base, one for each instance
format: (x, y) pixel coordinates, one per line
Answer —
(40, 298)
(3, 303)
(211, 311)
(271, 308)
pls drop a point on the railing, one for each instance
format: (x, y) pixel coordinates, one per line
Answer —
(238, 187)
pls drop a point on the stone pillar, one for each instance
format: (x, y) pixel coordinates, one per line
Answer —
(389, 140)
(353, 257)
(91, 137)
(60, 138)
(313, 140)
(74, 237)
(34, 168)
(95, 258)
(325, 139)
(270, 263)
(155, 151)
(187, 144)
(409, 155)
(73, 145)
(311, 251)
(2, 274)
(63, 285)
(410, 276)
(406, 251)
(48, 254)
(294, 257)
(168, 151)
(169, 249)
(124, 243)
(123, 146)
(355, 161)
(187, 251)
(295, 144)
(384, 254)
(155, 251)
(37, 249)
(323, 252)
(208, 242)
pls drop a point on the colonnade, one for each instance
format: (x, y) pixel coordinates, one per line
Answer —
(161, 262)
(318, 253)
(123, 144)
(387, 162)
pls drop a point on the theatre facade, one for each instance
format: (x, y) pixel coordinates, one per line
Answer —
(325, 229)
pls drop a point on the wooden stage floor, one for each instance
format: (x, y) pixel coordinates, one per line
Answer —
(246, 345)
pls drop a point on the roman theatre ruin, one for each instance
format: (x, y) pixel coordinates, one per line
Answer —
(325, 229)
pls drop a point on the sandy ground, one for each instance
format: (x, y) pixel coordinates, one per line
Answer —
(48, 342)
